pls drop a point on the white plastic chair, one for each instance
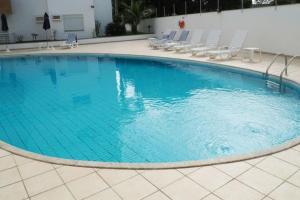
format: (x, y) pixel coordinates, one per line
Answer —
(195, 41)
(158, 44)
(212, 42)
(164, 35)
(181, 40)
(71, 41)
(227, 52)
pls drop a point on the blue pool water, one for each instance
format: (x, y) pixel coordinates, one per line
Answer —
(117, 109)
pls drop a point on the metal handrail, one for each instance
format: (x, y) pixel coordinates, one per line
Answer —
(285, 69)
(273, 61)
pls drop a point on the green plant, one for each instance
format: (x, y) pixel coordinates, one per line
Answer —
(118, 19)
(97, 28)
(115, 29)
(135, 12)
(19, 38)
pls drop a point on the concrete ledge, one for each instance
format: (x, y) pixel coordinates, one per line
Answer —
(35, 45)
(115, 39)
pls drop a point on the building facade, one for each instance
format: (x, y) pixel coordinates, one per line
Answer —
(25, 18)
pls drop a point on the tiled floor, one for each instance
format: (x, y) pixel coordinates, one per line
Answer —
(274, 177)
(270, 177)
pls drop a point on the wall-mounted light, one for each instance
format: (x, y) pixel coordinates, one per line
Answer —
(92, 6)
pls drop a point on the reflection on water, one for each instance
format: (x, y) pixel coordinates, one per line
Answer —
(136, 110)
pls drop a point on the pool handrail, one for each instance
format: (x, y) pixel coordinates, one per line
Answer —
(285, 70)
(272, 62)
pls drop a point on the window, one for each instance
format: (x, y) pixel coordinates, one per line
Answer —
(73, 22)
(39, 19)
(5, 7)
(56, 18)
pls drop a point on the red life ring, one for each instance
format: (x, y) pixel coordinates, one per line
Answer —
(181, 24)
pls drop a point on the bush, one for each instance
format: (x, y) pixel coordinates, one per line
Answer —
(115, 29)
(97, 28)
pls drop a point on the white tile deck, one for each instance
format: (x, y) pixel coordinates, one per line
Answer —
(3, 153)
(234, 169)
(108, 194)
(162, 178)
(260, 180)
(277, 167)
(55, 194)
(9, 176)
(15, 191)
(68, 173)
(211, 197)
(113, 177)
(295, 179)
(135, 188)
(34, 168)
(236, 191)
(291, 156)
(210, 178)
(86, 186)
(274, 177)
(157, 196)
(286, 191)
(42, 183)
(185, 188)
(7, 162)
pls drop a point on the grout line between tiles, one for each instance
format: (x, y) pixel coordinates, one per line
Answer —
(285, 160)
(64, 184)
(159, 189)
(109, 186)
(21, 178)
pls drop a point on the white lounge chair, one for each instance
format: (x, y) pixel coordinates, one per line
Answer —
(227, 52)
(71, 41)
(166, 37)
(158, 44)
(163, 36)
(181, 40)
(193, 43)
(212, 42)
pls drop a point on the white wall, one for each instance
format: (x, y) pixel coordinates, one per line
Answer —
(103, 12)
(22, 20)
(65, 7)
(273, 30)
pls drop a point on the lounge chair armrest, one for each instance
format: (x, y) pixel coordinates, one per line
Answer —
(183, 43)
(235, 49)
(198, 45)
(223, 47)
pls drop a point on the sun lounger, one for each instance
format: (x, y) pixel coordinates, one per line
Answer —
(193, 43)
(212, 42)
(227, 52)
(158, 44)
(181, 40)
(163, 36)
(71, 41)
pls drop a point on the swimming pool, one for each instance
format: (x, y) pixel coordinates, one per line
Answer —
(129, 109)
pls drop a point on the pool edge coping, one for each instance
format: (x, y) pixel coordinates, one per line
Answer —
(149, 166)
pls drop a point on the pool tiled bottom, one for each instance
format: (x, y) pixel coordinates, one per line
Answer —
(275, 177)
(272, 177)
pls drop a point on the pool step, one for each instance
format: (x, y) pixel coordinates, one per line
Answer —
(272, 84)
